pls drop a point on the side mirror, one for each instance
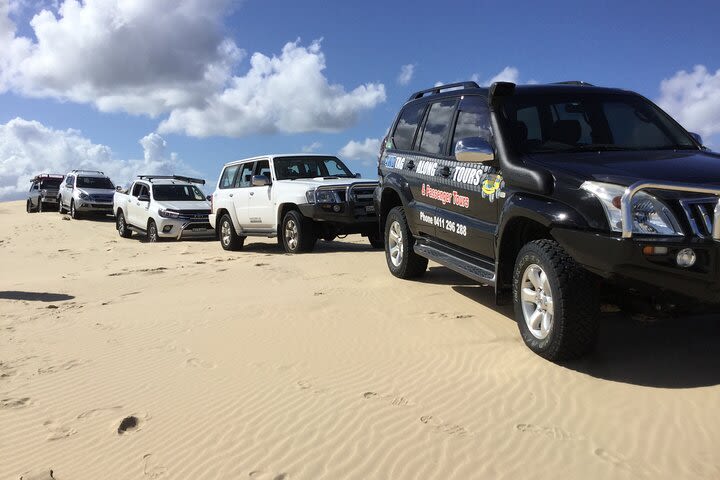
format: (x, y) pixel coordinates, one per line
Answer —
(144, 198)
(474, 149)
(118, 188)
(697, 138)
(357, 175)
(260, 180)
(208, 198)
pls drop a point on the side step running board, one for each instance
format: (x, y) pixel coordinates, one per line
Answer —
(459, 265)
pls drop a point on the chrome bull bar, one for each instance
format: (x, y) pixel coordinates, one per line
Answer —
(626, 203)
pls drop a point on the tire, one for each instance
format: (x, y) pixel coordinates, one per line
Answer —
(74, 214)
(152, 232)
(121, 226)
(561, 325)
(297, 233)
(28, 206)
(61, 209)
(229, 239)
(376, 241)
(402, 261)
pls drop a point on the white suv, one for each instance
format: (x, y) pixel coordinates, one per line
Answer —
(163, 206)
(86, 191)
(297, 198)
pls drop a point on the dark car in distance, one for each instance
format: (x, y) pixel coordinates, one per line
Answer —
(43, 192)
(552, 194)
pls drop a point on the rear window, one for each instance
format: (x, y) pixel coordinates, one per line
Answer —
(406, 126)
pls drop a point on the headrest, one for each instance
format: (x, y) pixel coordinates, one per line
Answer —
(518, 132)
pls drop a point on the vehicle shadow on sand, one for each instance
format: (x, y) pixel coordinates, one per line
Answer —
(320, 247)
(680, 352)
(34, 296)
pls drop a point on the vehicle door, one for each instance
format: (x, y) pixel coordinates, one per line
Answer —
(137, 206)
(261, 209)
(66, 190)
(470, 216)
(34, 194)
(240, 195)
(399, 164)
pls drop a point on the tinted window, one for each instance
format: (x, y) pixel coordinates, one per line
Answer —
(94, 182)
(473, 120)
(228, 177)
(136, 189)
(590, 121)
(263, 168)
(407, 125)
(310, 167)
(185, 193)
(50, 183)
(69, 181)
(245, 177)
(144, 190)
(435, 133)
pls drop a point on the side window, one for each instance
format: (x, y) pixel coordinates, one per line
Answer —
(435, 133)
(244, 179)
(144, 190)
(69, 181)
(228, 177)
(473, 120)
(136, 190)
(408, 123)
(263, 168)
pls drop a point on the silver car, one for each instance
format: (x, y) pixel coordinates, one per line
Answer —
(43, 192)
(86, 191)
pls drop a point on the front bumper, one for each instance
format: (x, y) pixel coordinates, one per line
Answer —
(622, 260)
(91, 206)
(184, 229)
(350, 217)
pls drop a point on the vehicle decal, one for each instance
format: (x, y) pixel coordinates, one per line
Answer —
(394, 162)
(255, 220)
(491, 186)
(445, 197)
(444, 224)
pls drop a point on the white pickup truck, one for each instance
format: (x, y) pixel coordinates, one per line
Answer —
(297, 198)
(163, 206)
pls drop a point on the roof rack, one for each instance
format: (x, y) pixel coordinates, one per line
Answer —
(88, 171)
(150, 178)
(440, 88)
(574, 82)
(47, 175)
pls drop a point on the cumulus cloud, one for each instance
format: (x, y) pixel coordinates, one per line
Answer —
(507, 74)
(286, 93)
(406, 74)
(366, 151)
(693, 99)
(173, 57)
(28, 148)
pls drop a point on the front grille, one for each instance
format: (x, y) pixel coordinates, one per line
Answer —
(700, 213)
(200, 215)
(362, 195)
(101, 198)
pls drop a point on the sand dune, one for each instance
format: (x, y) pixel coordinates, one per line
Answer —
(127, 360)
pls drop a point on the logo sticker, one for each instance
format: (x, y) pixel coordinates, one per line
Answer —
(491, 187)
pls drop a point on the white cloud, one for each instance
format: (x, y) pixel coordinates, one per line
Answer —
(29, 147)
(366, 151)
(406, 74)
(508, 74)
(693, 99)
(167, 56)
(288, 93)
(313, 147)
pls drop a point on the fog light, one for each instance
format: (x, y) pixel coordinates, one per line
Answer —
(686, 258)
(336, 208)
(167, 228)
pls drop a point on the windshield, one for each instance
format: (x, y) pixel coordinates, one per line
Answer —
(572, 122)
(95, 182)
(50, 183)
(178, 193)
(310, 167)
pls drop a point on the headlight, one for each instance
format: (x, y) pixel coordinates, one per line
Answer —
(322, 196)
(84, 196)
(168, 213)
(650, 215)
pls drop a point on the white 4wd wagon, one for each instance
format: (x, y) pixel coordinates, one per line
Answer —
(297, 198)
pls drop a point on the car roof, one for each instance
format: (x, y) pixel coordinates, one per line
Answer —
(164, 181)
(273, 156)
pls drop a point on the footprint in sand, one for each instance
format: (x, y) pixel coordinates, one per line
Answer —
(393, 400)
(7, 403)
(95, 412)
(305, 385)
(58, 431)
(151, 467)
(440, 426)
(553, 432)
(41, 474)
(263, 475)
(196, 362)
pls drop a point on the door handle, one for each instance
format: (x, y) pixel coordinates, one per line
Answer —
(230, 195)
(445, 171)
(252, 193)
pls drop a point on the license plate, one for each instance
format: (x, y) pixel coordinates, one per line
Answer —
(370, 209)
(199, 229)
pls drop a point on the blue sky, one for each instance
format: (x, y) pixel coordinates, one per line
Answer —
(635, 45)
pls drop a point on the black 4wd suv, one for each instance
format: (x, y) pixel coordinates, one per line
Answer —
(547, 192)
